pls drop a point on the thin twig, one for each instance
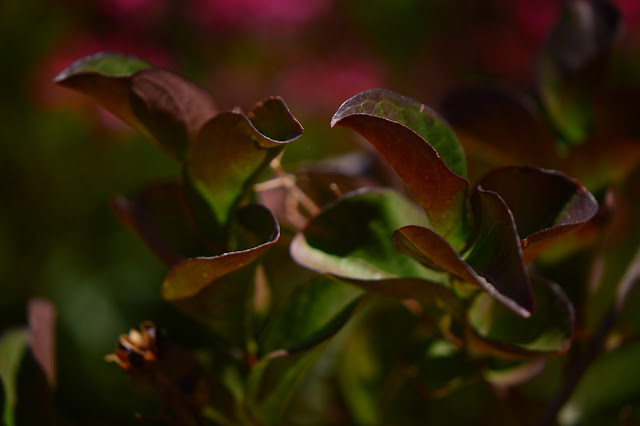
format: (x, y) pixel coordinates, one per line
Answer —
(595, 345)
(291, 184)
(288, 181)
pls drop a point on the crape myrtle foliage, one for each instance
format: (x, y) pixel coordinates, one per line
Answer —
(436, 281)
(459, 252)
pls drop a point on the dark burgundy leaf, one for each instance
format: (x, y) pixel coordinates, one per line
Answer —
(442, 193)
(545, 204)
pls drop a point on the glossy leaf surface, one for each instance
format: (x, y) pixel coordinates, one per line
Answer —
(412, 114)
(158, 102)
(315, 312)
(230, 152)
(378, 116)
(216, 289)
(496, 330)
(494, 262)
(351, 240)
(190, 276)
(171, 108)
(545, 204)
(293, 340)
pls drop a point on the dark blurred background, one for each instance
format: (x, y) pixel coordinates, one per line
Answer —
(62, 158)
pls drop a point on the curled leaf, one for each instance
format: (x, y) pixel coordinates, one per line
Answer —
(157, 102)
(190, 276)
(215, 289)
(421, 149)
(230, 152)
(351, 240)
(545, 204)
(494, 261)
(171, 108)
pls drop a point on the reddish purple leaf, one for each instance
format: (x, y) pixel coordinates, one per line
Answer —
(545, 204)
(215, 289)
(425, 244)
(190, 276)
(158, 102)
(170, 107)
(228, 156)
(442, 193)
(494, 261)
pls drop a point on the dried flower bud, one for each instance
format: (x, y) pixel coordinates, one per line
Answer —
(139, 351)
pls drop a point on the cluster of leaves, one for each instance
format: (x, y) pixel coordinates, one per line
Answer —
(434, 281)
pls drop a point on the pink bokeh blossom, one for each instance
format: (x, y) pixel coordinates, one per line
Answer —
(324, 84)
(133, 9)
(272, 16)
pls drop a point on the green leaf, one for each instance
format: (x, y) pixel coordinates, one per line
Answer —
(412, 114)
(377, 341)
(572, 65)
(313, 313)
(423, 155)
(274, 379)
(215, 290)
(351, 240)
(13, 345)
(158, 102)
(293, 340)
(107, 64)
(494, 330)
(228, 156)
(494, 261)
(545, 204)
